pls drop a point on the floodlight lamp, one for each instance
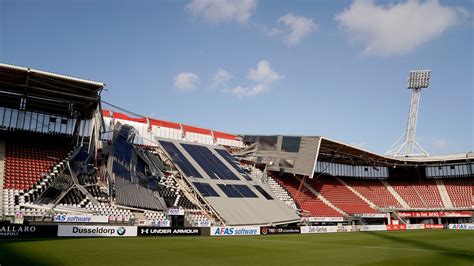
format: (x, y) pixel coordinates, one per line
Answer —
(418, 79)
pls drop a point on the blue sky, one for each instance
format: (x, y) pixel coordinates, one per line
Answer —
(331, 68)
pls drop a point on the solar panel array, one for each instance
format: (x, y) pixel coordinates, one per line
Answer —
(205, 189)
(237, 191)
(226, 155)
(179, 159)
(214, 167)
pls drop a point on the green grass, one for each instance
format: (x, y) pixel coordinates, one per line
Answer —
(428, 247)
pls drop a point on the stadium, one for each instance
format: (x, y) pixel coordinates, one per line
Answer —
(258, 164)
(73, 169)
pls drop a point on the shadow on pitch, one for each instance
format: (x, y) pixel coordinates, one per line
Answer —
(11, 254)
(448, 251)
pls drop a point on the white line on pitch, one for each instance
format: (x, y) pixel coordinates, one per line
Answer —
(357, 246)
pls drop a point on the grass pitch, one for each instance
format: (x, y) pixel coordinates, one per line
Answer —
(428, 247)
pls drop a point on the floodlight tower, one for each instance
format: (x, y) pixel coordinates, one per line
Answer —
(417, 80)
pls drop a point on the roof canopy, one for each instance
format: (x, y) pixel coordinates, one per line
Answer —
(40, 91)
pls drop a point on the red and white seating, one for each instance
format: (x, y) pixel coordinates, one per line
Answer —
(375, 191)
(306, 199)
(339, 195)
(418, 193)
(25, 162)
(460, 192)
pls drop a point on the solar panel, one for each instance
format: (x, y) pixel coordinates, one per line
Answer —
(237, 191)
(264, 193)
(230, 191)
(205, 189)
(226, 155)
(245, 191)
(179, 159)
(209, 162)
(121, 170)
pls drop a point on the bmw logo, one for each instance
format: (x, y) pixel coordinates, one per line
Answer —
(121, 231)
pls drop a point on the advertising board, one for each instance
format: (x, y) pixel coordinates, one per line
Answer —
(66, 218)
(372, 227)
(318, 229)
(235, 231)
(415, 226)
(99, 231)
(279, 230)
(461, 226)
(157, 231)
(22, 231)
(396, 227)
(325, 219)
(434, 226)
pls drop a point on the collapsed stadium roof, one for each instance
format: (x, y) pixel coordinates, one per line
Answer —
(41, 91)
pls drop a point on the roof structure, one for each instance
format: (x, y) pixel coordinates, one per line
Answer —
(40, 91)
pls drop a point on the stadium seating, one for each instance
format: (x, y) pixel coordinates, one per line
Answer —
(26, 161)
(460, 192)
(156, 218)
(422, 193)
(375, 191)
(281, 193)
(306, 199)
(339, 195)
(172, 194)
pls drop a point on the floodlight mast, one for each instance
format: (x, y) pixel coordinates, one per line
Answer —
(417, 80)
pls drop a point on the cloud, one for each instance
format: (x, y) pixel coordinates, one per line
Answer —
(253, 90)
(397, 29)
(299, 27)
(186, 81)
(262, 76)
(440, 144)
(216, 11)
(263, 73)
(221, 78)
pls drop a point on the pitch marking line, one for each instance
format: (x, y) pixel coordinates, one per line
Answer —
(369, 247)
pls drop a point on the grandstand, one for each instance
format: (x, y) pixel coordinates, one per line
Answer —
(61, 153)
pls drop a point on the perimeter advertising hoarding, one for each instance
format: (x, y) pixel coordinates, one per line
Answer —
(25, 231)
(380, 227)
(64, 218)
(435, 214)
(157, 231)
(96, 231)
(396, 227)
(235, 231)
(461, 226)
(415, 226)
(318, 229)
(324, 219)
(434, 226)
(279, 230)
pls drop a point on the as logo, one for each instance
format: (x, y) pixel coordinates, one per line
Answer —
(264, 230)
(121, 231)
(60, 218)
(224, 231)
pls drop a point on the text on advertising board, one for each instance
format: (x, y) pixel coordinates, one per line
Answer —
(156, 231)
(235, 231)
(107, 231)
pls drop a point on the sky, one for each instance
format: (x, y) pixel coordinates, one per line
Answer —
(332, 68)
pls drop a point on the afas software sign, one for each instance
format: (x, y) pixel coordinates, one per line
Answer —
(235, 231)
(461, 226)
(92, 231)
